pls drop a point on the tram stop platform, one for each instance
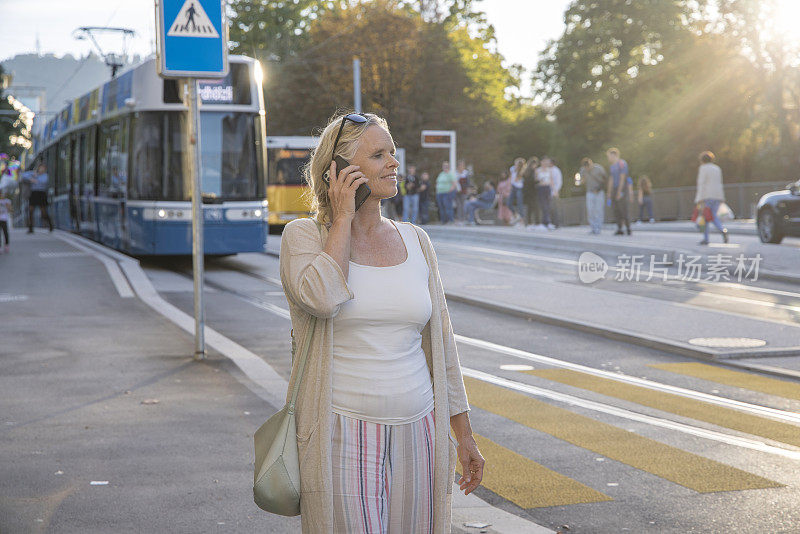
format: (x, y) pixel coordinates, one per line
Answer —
(110, 425)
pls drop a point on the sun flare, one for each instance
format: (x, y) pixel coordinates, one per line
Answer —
(785, 17)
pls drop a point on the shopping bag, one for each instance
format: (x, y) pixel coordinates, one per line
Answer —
(725, 213)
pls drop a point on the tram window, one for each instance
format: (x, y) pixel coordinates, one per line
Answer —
(174, 187)
(235, 88)
(119, 170)
(240, 74)
(228, 155)
(112, 176)
(147, 158)
(171, 93)
(62, 173)
(89, 160)
(51, 161)
(104, 143)
(78, 148)
(286, 166)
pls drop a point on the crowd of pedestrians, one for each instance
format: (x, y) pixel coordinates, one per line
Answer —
(527, 195)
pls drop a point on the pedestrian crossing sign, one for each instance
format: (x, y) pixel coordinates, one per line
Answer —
(192, 21)
(192, 38)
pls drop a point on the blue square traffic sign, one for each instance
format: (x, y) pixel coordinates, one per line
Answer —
(192, 38)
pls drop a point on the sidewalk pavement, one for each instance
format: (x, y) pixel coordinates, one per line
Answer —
(109, 425)
(735, 227)
(778, 262)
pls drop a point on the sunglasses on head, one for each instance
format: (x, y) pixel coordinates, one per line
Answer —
(357, 118)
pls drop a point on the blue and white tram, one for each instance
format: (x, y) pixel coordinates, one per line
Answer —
(116, 158)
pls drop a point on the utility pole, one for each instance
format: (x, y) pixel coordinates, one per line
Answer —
(357, 85)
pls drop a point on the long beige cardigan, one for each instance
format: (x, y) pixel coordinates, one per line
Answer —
(315, 285)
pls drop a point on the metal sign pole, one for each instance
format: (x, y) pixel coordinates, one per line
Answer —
(357, 85)
(195, 166)
(453, 154)
(192, 39)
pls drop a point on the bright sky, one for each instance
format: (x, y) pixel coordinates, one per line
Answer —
(523, 27)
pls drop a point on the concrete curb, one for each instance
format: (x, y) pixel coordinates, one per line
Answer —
(654, 342)
(688, 227)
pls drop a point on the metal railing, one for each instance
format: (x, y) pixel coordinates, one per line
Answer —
(674, 203)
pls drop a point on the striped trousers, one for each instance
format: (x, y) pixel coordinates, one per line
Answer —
(382, 476)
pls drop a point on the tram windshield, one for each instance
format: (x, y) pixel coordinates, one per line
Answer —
(285, 166)
(228, 155)
(229, 147)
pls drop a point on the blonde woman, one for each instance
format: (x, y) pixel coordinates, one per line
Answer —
(645, 198)
(383, 378)
(516, 201)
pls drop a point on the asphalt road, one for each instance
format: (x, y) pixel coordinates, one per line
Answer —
(595, 434)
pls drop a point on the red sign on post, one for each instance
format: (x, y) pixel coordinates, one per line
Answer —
(436, 139)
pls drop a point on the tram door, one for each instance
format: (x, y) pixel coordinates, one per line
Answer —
(75, 177)
(86, 182)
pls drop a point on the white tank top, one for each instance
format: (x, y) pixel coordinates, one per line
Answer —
(379, 369)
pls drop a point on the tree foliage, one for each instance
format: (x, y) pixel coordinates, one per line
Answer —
(11, 125)
(661, 79)
(434, 71)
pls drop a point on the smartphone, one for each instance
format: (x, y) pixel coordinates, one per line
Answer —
(363, 192)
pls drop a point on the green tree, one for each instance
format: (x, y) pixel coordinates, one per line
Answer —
(592, 72)
(417, 73)
(12, 125)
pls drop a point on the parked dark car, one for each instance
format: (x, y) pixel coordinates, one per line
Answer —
(779, 214)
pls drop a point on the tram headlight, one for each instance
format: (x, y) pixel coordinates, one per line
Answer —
(258, 72)
(162, 214)
(257, 213)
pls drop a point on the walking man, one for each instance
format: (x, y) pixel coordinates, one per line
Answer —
(411, 198)
(710, 193)
(595, 177)
(38, 183)
(619, 189)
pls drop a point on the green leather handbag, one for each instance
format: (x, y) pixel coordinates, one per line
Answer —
(276, 481)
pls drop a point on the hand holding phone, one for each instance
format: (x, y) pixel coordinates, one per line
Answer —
(362, 192)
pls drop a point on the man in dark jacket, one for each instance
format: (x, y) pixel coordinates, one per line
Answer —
(484, 202)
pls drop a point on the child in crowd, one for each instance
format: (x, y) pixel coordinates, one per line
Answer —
(5, 213)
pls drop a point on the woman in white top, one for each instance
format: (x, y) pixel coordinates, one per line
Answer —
(710, 194)
(382, 401)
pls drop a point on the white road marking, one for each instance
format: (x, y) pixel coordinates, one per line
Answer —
(119, 281)
(761, 411)
(5, 297)
(713, 435)
(49, 255)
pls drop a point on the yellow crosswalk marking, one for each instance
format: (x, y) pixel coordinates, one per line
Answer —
(684, 468)
(729, 377)
(527, 483)
(668, 402)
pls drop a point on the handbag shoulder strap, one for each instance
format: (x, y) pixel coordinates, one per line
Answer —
(305, 347)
